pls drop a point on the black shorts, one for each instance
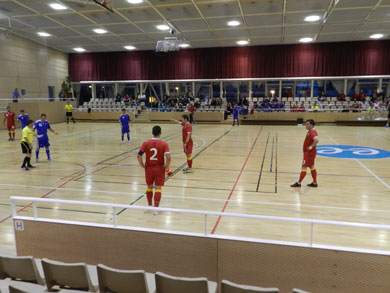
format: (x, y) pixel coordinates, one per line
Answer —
(25, 148)
(68, 114)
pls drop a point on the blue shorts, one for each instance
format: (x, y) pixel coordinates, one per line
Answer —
(235, 117)
(125, 129)
(43, 142)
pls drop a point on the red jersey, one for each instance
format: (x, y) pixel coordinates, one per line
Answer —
(10, 118)
(311, 135)
(187, 129)
(191, 109)
(155, 150)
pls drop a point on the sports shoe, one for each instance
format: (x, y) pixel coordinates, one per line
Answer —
(10, 139)
(36, 160)
(25, 168)
(313, 184)
(50, 159)
(189, 170)
(31, 166)
(386, 126)
(156, 212)
(185, 169)
(296, 184)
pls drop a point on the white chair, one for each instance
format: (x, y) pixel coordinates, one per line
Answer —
(170, 284)
(22, 268)
(119, 281)
(69, 275)
(229, 287)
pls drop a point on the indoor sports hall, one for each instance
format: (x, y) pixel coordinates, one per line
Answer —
(194, 146)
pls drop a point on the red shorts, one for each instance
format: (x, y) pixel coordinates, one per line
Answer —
(188, 149)
(11, 127)
(308, 159)
(155, 175)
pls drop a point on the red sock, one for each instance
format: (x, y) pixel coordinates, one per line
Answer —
(13, 134)
(302, 176)
(9, 134)
(314, 175)
(189, 162)
(157, 198)
(149, 196)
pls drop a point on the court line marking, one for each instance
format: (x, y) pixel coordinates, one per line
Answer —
(49, 192)
(262, 164)
(364, 166)
(236, 182)
(185, 163)
(197, 198)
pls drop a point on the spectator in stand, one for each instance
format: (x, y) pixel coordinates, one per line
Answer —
(15, 96)
(356, 106)
(244, 111)
(355, 96)
(371, 109)
(388, 115)
(252, 110)
(361, 96)
(364, 105)
(127, 100)
(376, 106)
(255, 105)
(301, 108)
(294, 108)
(322, 97)
(191, 109)
(341, 97)
(229, 110)
(117, 98)
(315, 107)
(345, 109)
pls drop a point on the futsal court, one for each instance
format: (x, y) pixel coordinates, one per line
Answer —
(244, 170)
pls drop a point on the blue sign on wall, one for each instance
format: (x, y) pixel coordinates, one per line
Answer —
(351, 152)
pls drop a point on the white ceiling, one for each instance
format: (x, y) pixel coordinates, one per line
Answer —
(203, 23)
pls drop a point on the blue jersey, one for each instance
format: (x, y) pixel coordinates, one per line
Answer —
(236, 111)
(23, 120)
(125, 119)
(41, 127)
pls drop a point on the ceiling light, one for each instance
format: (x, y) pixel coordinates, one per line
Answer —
(184, 45)
(242, 43)
(376, 36)
(306, 40)
(312, 18)
(99, 31)
(135, 1)
(163, 27)
(130, 47)
(79, 49)
(233, 23)
(57, 6)
(43, 34)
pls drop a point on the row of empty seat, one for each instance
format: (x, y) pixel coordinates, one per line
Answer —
(26, 274)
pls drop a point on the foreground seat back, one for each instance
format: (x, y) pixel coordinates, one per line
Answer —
(21, 268)
(71, 275)
(169, 284)
(229, 287)
(119, 281)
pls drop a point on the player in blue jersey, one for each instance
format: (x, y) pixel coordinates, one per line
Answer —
(23, 118)
(42, 126)
(124, 119)
(236, 115)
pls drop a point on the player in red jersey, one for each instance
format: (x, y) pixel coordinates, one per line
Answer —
(10, 117)
(155, 165)
(187, 140)
(309, 154)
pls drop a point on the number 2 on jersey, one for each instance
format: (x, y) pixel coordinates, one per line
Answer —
(153, 158)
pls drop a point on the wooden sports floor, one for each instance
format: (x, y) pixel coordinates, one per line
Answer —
(245, 169)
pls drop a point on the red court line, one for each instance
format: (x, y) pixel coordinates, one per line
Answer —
(236, 182)
(50, 191)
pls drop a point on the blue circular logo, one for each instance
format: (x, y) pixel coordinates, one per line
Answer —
(351, 152)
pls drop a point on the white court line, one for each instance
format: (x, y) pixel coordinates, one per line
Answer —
(198, 198)
(364, 166)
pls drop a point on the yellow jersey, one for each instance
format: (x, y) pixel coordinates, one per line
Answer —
(68, 108)
(27, 132)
